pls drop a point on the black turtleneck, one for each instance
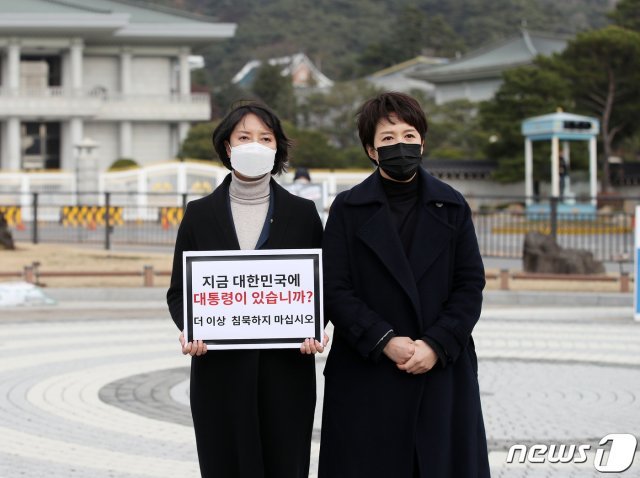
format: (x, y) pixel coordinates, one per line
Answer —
(403, 201)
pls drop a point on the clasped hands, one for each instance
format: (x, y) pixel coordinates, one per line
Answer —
(412, 356)
(198, 347)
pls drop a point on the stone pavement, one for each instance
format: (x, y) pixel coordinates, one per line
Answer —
(99, 388)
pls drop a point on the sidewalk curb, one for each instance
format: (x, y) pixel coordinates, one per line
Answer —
(560, 299)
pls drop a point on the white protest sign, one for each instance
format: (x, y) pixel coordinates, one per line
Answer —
(253, 299)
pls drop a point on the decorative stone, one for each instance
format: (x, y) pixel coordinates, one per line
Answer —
(544, 255)
(6, 239)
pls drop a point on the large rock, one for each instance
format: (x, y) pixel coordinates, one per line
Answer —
(6, 240)
(543, 254)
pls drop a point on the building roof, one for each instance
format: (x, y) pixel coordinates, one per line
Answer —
(289, 64)
(111, 20)
(491, 60)
(399, 77)
(408, 66)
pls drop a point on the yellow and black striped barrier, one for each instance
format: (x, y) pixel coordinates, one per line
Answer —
(170, 216)
(91, 216)
(13, 216)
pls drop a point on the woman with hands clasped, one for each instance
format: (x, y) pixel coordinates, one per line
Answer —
(252, 409)
(403, 281)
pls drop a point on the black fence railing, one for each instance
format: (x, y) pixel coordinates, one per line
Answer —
(501, 224)
(604, 227)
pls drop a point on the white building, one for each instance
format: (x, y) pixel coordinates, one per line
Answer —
(107, 70)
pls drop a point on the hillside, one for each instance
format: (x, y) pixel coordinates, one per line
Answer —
(350, 38)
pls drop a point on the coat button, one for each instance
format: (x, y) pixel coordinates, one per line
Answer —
(439, 204)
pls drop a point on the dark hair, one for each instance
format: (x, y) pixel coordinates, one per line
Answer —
(384, 105)
(302, 173)
(223, 132)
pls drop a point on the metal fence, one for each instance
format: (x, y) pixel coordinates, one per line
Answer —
(123, 218)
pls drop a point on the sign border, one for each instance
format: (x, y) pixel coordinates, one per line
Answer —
(189, 257)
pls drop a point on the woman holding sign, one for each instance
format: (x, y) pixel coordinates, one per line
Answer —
(252, 409)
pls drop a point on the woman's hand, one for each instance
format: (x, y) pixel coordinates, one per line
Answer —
(399, 349)
(423, 360)
(196, 348)
(312, 346)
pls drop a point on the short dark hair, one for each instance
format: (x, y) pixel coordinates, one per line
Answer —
(223, 131)
(384, 105)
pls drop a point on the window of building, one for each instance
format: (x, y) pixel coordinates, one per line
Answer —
(40, 145)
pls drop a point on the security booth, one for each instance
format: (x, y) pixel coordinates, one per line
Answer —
(561, 128)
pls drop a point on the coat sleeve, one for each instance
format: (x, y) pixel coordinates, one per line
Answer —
(184, 242)
(461, 311)
(353, 319)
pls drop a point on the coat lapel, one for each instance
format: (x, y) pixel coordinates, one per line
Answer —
(433, 232)
(432, 236)
(221, 215)
(379, 235)
(281, 217)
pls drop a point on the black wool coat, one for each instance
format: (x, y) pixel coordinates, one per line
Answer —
(252, 409)
(379, 421)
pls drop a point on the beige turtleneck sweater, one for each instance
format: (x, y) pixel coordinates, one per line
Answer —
(249, 207)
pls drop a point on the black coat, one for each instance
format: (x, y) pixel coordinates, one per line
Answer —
(252, 409)
(378, 419)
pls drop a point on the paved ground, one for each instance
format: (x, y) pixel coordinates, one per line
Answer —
(91, 389)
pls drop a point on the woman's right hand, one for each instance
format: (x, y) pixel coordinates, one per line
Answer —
(196, 348)
(400, 349)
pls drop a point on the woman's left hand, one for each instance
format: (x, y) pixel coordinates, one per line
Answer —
(424, 358)
(312, 346)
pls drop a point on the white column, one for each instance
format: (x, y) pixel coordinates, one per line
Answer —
(566, 153)
(185, 73)
(593, 169)
(13, 67)
(125, 71)
(126, 139)
(76, 65)
(181, 185)
(555, 167)
(528, 171)
(183, 130)
(13, 149)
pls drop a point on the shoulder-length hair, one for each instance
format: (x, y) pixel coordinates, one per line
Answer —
(223, 131)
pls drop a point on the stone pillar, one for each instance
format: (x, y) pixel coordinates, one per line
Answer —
(87, 170)
(126, 139)
(183, 130)
(74, 136)
(13, 149)
(593, 170)
(76, 66)
(555, 167)
(13, 67)
(125, 71)
(528, 171)
(185, 73)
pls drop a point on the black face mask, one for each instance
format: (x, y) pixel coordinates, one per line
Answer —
(401, 160)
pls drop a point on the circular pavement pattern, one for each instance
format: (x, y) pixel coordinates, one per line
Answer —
(99, 398)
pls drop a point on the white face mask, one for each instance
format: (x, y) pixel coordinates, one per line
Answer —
(252, 160)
